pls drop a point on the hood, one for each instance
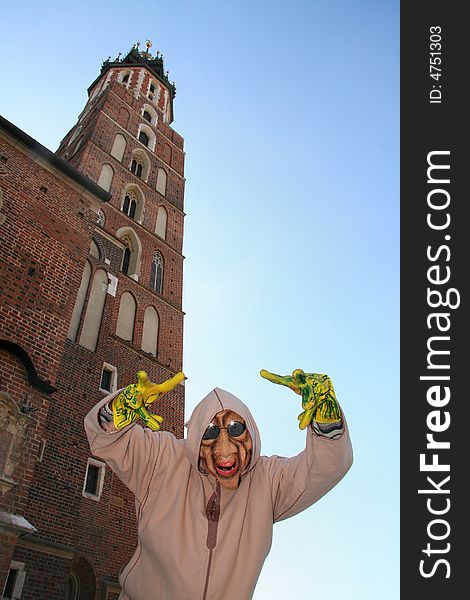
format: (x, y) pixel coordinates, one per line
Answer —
(209, 406)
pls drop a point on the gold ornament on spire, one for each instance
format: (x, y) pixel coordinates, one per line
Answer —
(145, 53)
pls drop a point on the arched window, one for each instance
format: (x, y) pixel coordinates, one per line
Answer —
(133, 202)
(137, 166)
(132, 252)
(167, 154)
(94, 311)
(140, 164)
(94, 250)
(73, 587)
(156, 276)
(123, 117)
(161, 181)
(144, 138)
(150, 114)
(160, 228)
(150, 333)
(79, 303)
(124, 77)
(126, 317)
(119, 146)
(129, 205)
(106, 177)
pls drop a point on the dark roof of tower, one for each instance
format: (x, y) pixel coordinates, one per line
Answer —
(135, 58)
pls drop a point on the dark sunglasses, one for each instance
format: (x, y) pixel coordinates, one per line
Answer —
(234, 429)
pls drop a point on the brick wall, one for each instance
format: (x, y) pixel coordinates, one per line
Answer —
(48, 229)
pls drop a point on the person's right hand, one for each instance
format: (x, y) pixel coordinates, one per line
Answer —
(134, 400)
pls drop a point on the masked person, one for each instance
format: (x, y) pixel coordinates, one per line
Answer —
(206, 504)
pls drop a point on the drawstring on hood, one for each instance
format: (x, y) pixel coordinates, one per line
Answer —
(217, 400)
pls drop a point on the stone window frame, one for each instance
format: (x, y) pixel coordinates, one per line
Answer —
(135, 193)
(152, 112)
(102, 472)
(152, 95)
(145, 342)
(20, 577)
(162, 181)
(152, 139)
(106, 176)
(120, 145)
(161, 225)
(113, 370)
(140, 157)
(126, 317)
(122, 74)
(157, 267)
(130, 240)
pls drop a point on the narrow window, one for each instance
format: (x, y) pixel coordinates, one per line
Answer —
(79, 302)
(144, 138)
(108, 378)
(136, 166)
(15, 581)
(161, 181)
(126, 204)
(92, 476)
(147, 116)
(10, 584)
(156, 276)
(126, 317)
(105, 380)
(106, 177)
(129, 206)
(125, 79)
(94, 311)
(162, 217)
(119, 146)
(150, 332)
(94, 479)
(126, 259)
(94, 250)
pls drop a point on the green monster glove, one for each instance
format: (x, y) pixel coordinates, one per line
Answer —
(318, 396)
(135, 399)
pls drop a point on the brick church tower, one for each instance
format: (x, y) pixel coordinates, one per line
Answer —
(123, 315)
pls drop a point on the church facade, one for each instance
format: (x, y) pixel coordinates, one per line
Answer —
(91, 292)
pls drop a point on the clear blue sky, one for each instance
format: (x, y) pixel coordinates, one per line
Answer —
(290, 115)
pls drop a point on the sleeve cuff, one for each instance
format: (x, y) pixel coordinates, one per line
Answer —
(329, 430)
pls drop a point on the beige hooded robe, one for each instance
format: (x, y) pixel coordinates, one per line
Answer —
(186, 551)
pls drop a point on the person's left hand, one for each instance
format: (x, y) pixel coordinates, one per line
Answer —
(318, 396)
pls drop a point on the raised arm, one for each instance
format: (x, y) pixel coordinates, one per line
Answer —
(130, 449)
(298, 482)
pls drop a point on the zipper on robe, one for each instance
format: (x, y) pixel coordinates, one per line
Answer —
(212, 514)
